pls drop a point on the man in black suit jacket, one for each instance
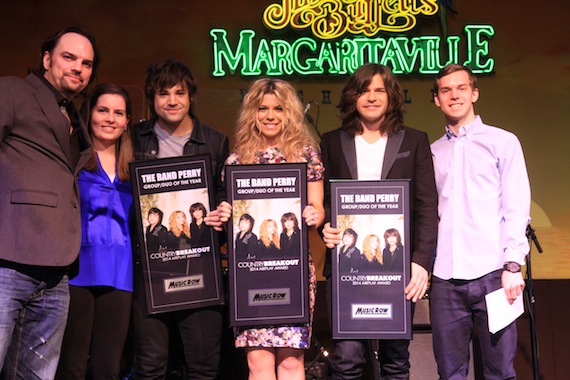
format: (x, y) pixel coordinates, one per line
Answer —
(373, 144)
(43, 145)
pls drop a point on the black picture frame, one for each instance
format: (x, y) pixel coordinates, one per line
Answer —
(179, 272)
(267, 286)
(368, 300)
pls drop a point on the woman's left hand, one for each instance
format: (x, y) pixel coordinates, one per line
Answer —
(311, 216)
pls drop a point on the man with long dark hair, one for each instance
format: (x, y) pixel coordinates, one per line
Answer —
(372, 144)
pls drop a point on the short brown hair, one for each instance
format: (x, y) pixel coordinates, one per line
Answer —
(450, 69)
(51, 42)
(165, 74)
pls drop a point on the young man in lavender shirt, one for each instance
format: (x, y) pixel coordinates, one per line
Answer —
(484, 206)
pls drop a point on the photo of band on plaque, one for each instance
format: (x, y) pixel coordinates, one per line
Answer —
(371, 265)
(268, 273)
(179, 254)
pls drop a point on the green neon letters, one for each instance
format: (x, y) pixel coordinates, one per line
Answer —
(424, 55)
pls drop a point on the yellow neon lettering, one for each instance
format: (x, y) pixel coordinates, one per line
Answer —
(328, 19)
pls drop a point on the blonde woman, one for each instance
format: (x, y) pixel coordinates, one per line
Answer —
(268, 244)
(271, 129)
(179, 231)
(372, 253)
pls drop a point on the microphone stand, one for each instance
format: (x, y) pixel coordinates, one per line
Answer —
(530, 301)
(310, 118)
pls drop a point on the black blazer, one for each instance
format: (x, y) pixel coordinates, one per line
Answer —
(39, 201)
(407, 156)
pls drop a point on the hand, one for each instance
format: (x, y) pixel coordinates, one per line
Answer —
(513, 284)
(212, 219)
(417, 287)
(331, 236)
(311, 216)
(225, 211)
(216, 218)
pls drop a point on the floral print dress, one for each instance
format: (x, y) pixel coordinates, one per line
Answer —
(284, 336)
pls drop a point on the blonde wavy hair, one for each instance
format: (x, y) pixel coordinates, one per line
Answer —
(174, 228)
(295, 134)
(265, 238)
(370, 253)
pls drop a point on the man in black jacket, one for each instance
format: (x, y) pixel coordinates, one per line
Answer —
(372, 144)
(175, 131)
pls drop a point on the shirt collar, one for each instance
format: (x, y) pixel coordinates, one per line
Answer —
(449, 133)
(467, 130)
(62, 101)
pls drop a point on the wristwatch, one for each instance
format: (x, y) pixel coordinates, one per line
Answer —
(512, 266)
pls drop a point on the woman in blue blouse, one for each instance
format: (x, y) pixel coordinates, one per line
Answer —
(101, 293)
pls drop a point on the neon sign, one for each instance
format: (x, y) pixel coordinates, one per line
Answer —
(306, 56)
(328, 54)
(329, 19)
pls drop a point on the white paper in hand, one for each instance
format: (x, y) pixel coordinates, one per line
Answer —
(500, 312)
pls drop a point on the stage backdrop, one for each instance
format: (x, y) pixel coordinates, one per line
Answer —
(526, 93)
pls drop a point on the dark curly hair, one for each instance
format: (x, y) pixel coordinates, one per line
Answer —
(357, 83)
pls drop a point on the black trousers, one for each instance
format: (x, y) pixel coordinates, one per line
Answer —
(200, 332)
(95, 335)
(348, 361)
